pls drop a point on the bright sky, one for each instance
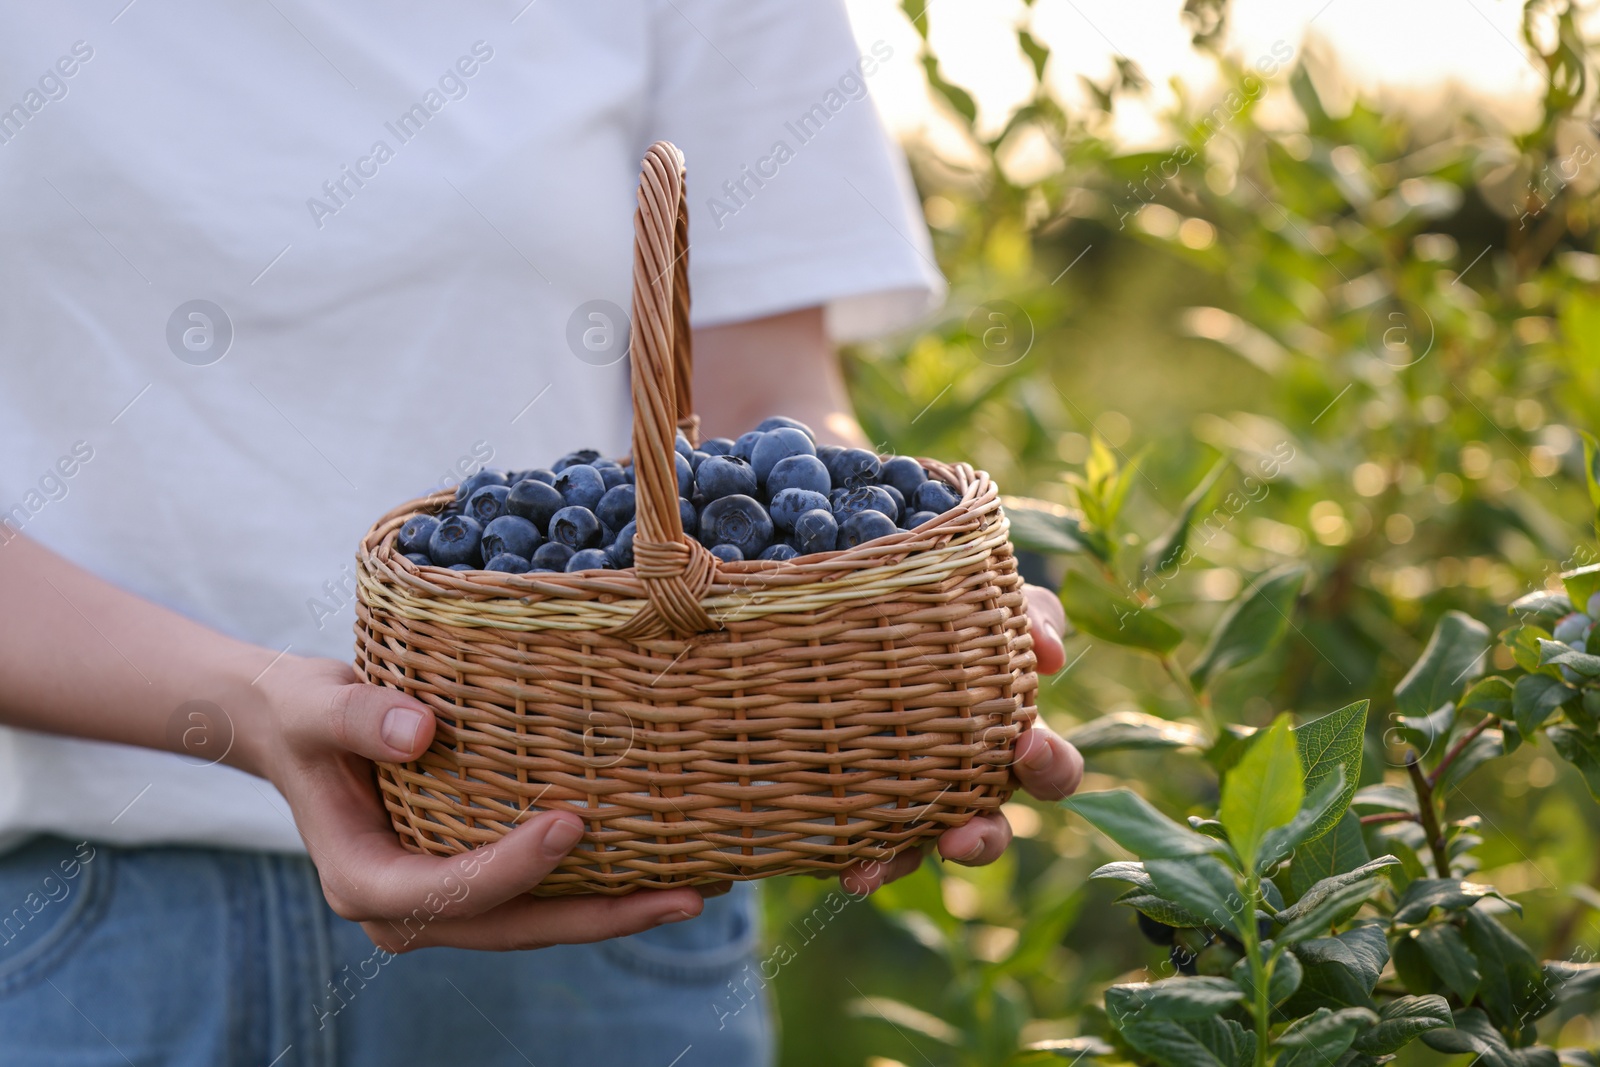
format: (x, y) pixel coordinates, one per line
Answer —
(1422, 50)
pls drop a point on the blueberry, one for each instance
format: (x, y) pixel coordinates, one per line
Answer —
(509, 562)
(455, 541)
(778, 422)
(621, 549)
(816, 531)
(790, 504)
(616, 507)
(590, 559)
(535, 501)
(461, 567)
(513, 534)
(681, 445)
(717, 446)
(917, 518)
(746, 444)
(727, 553)
(829, 453)
(935, 496)
(696, 458)
(780, 551)
(736, 520)
(1571, 627)
(585, 455)
(580, 485)
(539, 474)
(902, 472)
(478, 481)
(419, 559)
(414, 534)
(722, 476)
(854, 467)
(685, 474)
(1158, 933)
(576, 527)
(487, 504)
(615, 476)
(866, 498)
(899, 501)
(778, 444)
(865, 526)
(798, 472)
(689, 516)
(1593, 607)
(602, 464)
(552, 556)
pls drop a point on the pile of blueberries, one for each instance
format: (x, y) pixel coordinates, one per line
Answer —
(772, 494)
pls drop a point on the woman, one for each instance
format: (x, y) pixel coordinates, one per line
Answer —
(268, 270)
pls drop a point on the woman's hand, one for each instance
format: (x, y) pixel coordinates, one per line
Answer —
(315, 739)
(1047, 766)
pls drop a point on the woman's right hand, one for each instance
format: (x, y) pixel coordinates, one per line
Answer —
(315, 740)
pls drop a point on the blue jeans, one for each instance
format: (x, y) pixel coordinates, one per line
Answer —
(188, 957)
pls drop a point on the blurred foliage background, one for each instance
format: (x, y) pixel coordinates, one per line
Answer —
(1406, 306)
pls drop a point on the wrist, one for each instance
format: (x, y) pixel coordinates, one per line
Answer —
(248, 702)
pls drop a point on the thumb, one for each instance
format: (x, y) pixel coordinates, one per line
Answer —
(378, 723)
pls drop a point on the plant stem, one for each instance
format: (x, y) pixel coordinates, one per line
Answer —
(1457, 748)
(1260, 974)
(1202, 707)
(1427, 814)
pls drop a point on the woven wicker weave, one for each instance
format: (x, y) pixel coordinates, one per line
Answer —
(708, 721)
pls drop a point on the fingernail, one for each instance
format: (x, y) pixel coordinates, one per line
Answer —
(1039, 756)
(673, 917)
(972, 854)
(559, 839)
(1051, 632)
(400, 728)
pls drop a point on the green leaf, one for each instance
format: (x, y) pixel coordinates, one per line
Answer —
(1100, 611)
(1263, 791)
(1491, 695)
(1568, 979)
(1166, 551)
(1201, 885)
(1542, 607)
(1328, 797)
(1454, 654)
(1491, 744)
(1334, 740)
(1556, 653)
(1159, 908)
(1325, 1034)
(1171, 998)
(1579, 750)
(1473, 1033)
(1130, 821)
(1251, 625)
(1042, 526)
(1425, 894)
(1403, 1019)
(1536, 697)
(1340, 972)
(1423, 731)
(1340, 850)
(1124, 871)
(1375, 799)
(1194, 1043)
(1591, 466)
(1581, 584)
(1512, 990)
(1133, 730)
(1447, 954)
(1037, 53)
(1331, 901)
(903, 1016)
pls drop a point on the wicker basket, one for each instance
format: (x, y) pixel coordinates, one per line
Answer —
(708, 721)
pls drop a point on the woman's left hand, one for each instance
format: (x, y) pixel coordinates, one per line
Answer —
(1048, 767)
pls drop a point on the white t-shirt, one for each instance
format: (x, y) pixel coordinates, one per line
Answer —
(399, 211)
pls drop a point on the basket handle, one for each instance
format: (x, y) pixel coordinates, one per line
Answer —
(675, 570)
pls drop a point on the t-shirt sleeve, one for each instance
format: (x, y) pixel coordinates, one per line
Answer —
(798, 196)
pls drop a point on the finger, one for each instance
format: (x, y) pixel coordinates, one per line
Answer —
(533, 922)
(1046, 764)
(1046, 621)
(867, 876)
(394, 883)
(372, 721)
(981, 840)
